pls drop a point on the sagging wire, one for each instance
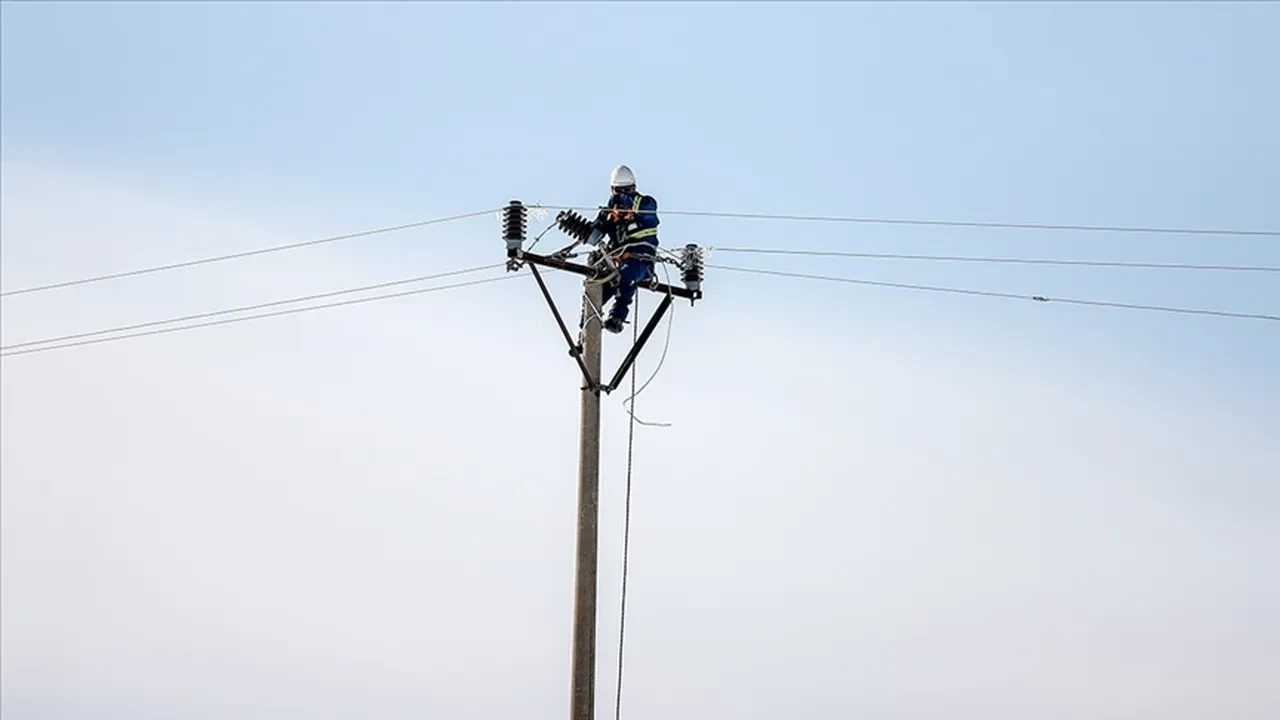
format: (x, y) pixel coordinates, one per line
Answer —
(1004, 295)
(546, 230)
(626, 535)
(245, 318)
(248, 253)
(1004, 260)
(666, 344)
(242, 308)
(626, 531)
(946, 223)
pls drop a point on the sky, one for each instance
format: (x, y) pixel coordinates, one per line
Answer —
(869, 501)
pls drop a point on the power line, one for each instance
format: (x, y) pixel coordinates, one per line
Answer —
(247, 253)
(1025, 261)
(246, 308)
(948, 223)
(1012, 296)
(259, 316)
(757, 216)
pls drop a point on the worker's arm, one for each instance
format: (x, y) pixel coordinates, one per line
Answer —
(606, 220)
(647, 214)
(600, 228)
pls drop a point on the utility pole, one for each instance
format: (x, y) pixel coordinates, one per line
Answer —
(585, 585)
(586, 351)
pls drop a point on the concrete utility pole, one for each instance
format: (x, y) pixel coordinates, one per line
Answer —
(586, 352)
(585, 584)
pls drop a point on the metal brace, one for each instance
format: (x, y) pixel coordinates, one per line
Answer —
(575, 348)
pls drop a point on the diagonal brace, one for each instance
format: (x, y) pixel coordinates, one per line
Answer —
(574, 348)
(635, 349)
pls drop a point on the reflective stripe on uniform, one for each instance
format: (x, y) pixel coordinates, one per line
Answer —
(637, 234)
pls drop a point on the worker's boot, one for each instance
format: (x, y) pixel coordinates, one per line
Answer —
(614, 324)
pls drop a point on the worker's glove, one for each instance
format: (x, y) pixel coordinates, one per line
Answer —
(597, 235)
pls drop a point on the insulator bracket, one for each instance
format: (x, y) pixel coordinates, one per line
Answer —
(691, 269)
(514, 224)
(574, 225)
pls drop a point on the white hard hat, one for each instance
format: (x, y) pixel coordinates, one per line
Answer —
(622, 177)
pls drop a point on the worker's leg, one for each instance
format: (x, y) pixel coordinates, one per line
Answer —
(629, 274)
(608, 290)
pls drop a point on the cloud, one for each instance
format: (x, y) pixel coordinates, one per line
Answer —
(370, 510)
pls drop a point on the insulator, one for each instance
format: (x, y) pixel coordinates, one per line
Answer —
(691, 266)
(574, 225)
(513, 226)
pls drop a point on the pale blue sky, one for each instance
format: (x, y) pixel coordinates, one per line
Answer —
(959, 490)
(358, 116)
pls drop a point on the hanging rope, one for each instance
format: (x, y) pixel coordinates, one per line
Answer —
(626, 524)
(629, 403)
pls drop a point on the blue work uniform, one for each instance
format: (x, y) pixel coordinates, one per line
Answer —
(631, 221)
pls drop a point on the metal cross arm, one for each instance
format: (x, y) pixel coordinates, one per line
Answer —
(591, 272)
(575, 350)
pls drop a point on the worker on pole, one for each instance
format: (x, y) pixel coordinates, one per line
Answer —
(630, 222)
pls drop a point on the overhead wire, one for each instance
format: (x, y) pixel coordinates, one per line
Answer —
(246, 308)
(278, 313)
(1010, 260)
(951, 223)
(635, 330)
(702, 213)
(151, 328)
(246, 253)
(22, 348)
(1004, 295)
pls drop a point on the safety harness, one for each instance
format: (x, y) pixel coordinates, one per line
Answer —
(633, 236)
